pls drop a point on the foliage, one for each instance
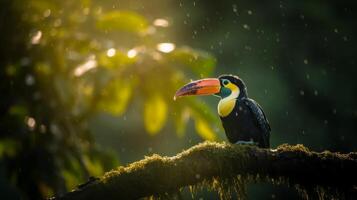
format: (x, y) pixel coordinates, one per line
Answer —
(79, 59)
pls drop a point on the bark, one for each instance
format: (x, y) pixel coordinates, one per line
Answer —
(208, 162)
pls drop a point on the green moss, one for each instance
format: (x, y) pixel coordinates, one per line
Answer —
(293, 148)
(215, 167)
(320, 192)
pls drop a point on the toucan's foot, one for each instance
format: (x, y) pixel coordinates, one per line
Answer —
(245, 142)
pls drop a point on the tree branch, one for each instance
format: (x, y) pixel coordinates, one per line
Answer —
(208, 161)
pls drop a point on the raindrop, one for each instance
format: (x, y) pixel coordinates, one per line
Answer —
(316, 93)
(245, 26)
(302, 92)
(29, 80)
(235, 9)
(250, 12)
(307, 76)
(306, 61)
(36, 38)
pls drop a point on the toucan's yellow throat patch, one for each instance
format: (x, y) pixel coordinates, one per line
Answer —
(227, 104)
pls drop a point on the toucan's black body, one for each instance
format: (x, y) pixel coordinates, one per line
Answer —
(247, 121)
(242, 118)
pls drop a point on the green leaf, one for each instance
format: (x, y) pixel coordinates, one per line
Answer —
(204, 129)
(93, 166)
(18, 110)
(181, 117)
(199, 108)
(116, 96)
(122, 21)
(205, 119)
(71, 170)
(8, 147)
(200, 62)
(155, 114)
(43, 69)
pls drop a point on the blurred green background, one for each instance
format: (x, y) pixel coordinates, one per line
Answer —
(88, 85)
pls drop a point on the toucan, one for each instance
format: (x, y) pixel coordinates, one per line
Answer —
(243, 119)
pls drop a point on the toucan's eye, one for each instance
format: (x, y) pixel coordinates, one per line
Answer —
(225, 82)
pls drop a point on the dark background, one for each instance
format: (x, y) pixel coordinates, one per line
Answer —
(296, 57)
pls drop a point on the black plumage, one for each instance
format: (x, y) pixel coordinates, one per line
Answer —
(247, 121)
(243, 119)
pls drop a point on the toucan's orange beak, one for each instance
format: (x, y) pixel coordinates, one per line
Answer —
(207, 86)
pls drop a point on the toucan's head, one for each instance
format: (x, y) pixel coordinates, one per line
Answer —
(225, 86)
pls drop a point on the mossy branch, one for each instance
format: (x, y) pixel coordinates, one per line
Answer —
(209, 161)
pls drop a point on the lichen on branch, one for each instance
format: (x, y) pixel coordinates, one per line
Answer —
(227, 168)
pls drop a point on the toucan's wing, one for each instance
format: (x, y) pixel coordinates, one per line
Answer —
(260, 119)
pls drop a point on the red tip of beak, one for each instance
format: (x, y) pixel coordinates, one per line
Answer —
(206, 86)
